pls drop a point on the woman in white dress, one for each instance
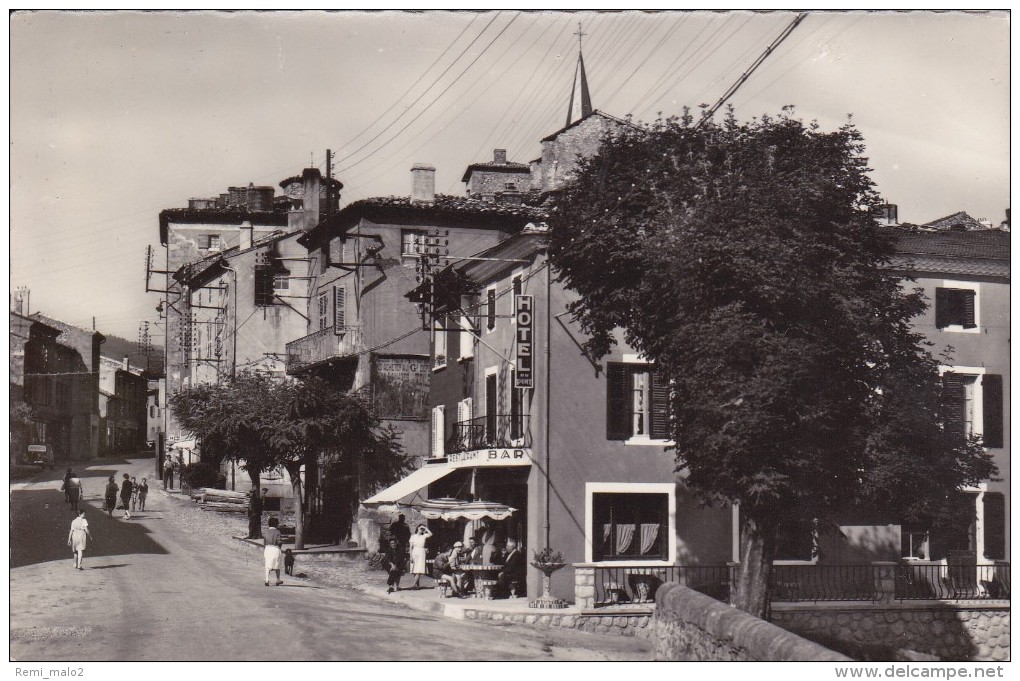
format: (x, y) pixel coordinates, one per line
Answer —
(78, 537)
(417, 543)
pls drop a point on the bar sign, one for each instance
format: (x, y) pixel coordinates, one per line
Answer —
(524, 307)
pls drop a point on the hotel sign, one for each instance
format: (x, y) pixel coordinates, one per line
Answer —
(503, 456)
(524, 308)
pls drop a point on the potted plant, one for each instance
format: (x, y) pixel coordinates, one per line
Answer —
(548, 562)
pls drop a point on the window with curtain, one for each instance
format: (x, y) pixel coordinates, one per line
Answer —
(630, 526)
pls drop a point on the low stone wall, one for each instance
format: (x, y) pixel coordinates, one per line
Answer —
(690, 626)
(612, 623)
(951, 631)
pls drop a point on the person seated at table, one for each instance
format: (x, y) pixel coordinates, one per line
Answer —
(511, 577)
(460, 575)
(472, 552)
(442, 572)
(496, 556)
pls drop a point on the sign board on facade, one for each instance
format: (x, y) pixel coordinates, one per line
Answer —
(503, 456)
(400, 386)
(524, 307)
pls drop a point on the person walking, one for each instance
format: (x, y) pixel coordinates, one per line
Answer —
(67, 476)
(168, 472)
(77, 537)
(111, 495)
(143, 491)
(72, 490)
(125, 495)
(272, 551)
(134, 493)
(393, 562)
(418, 554)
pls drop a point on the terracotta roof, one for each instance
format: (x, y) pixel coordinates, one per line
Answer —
(958, 218)
(508, 167)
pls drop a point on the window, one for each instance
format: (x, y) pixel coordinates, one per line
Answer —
(264, 284)
(796, 541)
(630, 526)
(638, 403)
(955, 307)
(467, 339)
(339, 306)
(995, 525)
(281, 282)
(973, 406)
(212, 242)
(465, 410)
(517, 289)
(490, 309)
(510, 186)
(914, 542)
(323, 310)
(411, 242)
(516, 409)
(438, 430)
(491, 403)
(439, 343)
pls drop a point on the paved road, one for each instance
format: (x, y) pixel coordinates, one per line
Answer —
(152, 590)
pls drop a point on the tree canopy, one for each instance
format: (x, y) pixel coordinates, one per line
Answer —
(741, 258)
(263, 424)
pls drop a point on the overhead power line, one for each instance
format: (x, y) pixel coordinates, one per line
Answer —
(747, 74)
(426, 90)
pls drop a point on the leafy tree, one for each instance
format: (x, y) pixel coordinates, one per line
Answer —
(264, 424)
(741, 259)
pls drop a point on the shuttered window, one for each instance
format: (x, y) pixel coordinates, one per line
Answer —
(323, 310)
(339, 306)
(953, 404)
(638, 402)
(995, 526)
(490, 309)
(516, 408)
(491, 406)
(992, 410)
(264, 277)
(954, 307)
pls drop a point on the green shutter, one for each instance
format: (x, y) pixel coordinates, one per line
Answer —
(991, 408)
(619, 407)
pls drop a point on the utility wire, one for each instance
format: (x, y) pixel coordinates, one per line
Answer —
(424, 92)
(747, 74)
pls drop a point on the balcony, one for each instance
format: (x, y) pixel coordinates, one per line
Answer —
(491, 431)
(322, 346)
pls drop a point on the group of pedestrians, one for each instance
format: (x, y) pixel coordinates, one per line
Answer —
(132, 496)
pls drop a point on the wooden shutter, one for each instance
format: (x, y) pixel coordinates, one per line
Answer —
(490, 312)
(324, 310)
(995, 526)
(263, 286)
(438, 430)
(659, 411)
(941, 308)
(991, 410)
(619, 406)
(340, 307)
(967, 297)
(491, 403)
(953, 397)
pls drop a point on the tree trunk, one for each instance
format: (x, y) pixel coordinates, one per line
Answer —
(255, 517)
(294, 471)
(758, 537)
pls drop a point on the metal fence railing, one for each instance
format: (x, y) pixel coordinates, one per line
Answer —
(813, 583)
(927, 581)
(493, 430)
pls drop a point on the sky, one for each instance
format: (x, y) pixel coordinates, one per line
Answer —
(115, 116)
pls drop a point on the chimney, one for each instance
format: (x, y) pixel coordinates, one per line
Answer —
(499, 156)
(247, 236)
(126, 364)
(312, 179)
(423, 183)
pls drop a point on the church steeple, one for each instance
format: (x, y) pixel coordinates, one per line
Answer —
(580, 100)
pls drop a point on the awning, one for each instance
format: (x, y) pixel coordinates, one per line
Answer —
(412, 483)
(455, 509)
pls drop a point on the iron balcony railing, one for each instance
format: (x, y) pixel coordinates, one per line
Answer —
(928, 581)
(323, 345)
(812, 583)
(493, 430)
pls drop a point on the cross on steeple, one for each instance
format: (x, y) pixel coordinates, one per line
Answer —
(580, 34)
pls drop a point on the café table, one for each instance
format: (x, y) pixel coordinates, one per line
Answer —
(484, 577)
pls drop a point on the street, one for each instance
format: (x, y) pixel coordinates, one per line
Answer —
(152, 590)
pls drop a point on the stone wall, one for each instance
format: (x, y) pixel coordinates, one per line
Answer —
(950, 631)
(615, 623)
(690, 626)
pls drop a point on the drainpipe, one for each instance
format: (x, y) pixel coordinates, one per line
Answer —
(233, 354)
(548, 396)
